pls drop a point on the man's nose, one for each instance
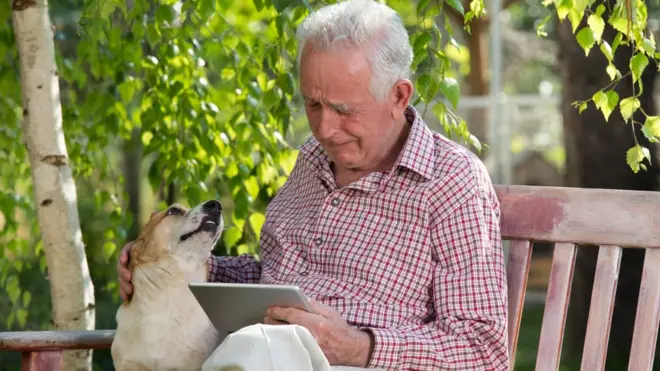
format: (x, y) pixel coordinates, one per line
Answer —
(328, 124)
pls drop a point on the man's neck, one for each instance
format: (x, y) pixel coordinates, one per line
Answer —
(344, 176)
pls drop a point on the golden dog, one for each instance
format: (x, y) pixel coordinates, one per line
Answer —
(163, 327)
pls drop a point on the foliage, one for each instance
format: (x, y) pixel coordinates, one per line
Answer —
(629, 19)
(212, 119)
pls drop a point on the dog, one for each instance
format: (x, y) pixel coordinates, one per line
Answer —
(162, 326)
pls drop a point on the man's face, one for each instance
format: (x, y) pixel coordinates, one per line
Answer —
(351, 125)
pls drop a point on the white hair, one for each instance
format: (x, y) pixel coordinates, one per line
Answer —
(362, 23)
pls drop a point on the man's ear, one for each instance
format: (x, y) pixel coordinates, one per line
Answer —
(402, 94)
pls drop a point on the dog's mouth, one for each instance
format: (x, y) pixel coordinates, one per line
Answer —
(209, 223)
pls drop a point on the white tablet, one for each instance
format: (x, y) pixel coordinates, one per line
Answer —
(231, 306)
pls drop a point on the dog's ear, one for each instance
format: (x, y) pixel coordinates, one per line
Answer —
(152, 214)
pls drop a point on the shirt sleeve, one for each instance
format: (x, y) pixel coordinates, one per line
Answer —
(469, 329)
(234, 269)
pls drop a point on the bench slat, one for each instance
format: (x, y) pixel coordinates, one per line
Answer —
(554, 316)
(517, 269)
(601, 307)
(647, 318)
(41, 361)
(581, 216)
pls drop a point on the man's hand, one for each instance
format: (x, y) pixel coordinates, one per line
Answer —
(341, 343)
(125, 287)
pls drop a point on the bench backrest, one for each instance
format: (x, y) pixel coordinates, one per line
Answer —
(610, 219)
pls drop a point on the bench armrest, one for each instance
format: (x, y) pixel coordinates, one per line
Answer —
(34, 341)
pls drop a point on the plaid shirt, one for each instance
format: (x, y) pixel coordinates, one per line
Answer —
(413, 255)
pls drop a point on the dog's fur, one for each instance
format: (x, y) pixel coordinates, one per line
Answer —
(163, 327)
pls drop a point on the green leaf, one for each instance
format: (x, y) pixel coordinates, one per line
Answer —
(13, 289)
(165, 13)
(127, 90)
(21, 317)
(421, 42)
(586, 39)
(612, 100)
(456, 4)
(252, 186)
(606, 49)
(27, 297)
(242, 249)
(286, 82)
(651, 128)
(582, 107)
(450, 88)
(606, 102)
(231, 236)
(637, 65)
(597, 25)
(648, 45)
(280, 5)
(421, 6)
(540, 28)
(600, 100)
(635, 155)
(612, 72)
(581, 5)
(617, 41)
(256, 222)
(563, 8)
(628, 107)
(109, 248)
(575, 18)
(206, 8)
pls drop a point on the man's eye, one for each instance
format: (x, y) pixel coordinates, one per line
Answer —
(174, 211)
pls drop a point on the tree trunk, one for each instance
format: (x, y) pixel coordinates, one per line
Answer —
(477, 82)
(72, 291)
(596, 158)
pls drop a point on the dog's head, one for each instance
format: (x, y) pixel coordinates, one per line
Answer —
(190, 233)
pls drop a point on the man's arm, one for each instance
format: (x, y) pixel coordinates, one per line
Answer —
(235, 269)
(469, 331)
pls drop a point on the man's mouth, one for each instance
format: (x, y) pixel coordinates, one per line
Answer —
(209, 224)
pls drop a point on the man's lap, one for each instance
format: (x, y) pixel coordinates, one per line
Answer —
(266, 347)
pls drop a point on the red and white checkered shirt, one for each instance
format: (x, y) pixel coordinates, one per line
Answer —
(413, 255)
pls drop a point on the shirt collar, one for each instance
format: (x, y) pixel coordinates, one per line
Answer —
(417, 154)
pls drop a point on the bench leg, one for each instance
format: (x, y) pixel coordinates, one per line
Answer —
(50, 360)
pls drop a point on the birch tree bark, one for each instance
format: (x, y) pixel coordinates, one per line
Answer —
(71, 288)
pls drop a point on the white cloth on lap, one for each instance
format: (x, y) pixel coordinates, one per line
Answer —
(270, 348)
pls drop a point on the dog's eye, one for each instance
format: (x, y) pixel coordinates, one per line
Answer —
(174, 211)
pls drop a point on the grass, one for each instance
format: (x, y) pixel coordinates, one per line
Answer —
(528, 342)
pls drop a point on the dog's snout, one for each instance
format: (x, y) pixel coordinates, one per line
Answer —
(213, 206)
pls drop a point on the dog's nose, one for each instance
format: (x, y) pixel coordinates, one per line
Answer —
(213, 206)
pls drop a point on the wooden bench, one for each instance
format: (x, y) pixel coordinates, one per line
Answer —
(611, 219)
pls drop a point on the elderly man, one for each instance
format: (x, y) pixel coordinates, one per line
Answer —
(393, 228)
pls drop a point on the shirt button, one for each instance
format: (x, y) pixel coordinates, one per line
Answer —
(335, 201)
(319, 241)
(304, 273)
